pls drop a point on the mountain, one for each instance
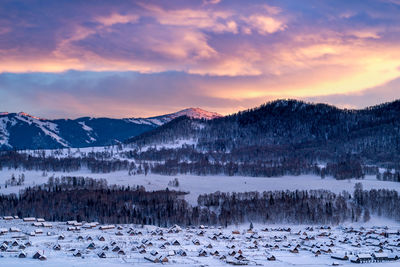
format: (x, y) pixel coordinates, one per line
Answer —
(24, 131)
(195, 113)
(289, 130)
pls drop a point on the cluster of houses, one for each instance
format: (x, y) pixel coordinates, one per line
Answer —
(35, 238)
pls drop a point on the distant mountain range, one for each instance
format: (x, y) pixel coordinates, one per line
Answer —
(279, 131)
(23, 131)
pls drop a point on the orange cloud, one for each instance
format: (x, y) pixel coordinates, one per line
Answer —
(116, 18)
(265, 24)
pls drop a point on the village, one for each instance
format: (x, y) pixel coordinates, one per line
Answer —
(36, 240)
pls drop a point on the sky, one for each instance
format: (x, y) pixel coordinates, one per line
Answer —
(70, 58)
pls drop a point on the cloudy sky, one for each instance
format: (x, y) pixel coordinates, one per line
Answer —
(114, 58)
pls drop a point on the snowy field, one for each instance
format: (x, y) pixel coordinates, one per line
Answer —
(197, 185)
(127, 245)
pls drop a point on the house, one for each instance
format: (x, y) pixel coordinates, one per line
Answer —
(15, 230)
(234, 261)
(29, 219)
(271, 258)
(196, 242)
(61, 237)
(295, 250)
(379, 257)
(22, 246)
(38, 231)
(91, 246)
(326, 249)
(181, 252)
(22, 254)
(361, 258)
(105, 248)
(116, 248)
(107, 227)
(214, 237)
(340, 256)
(40, 256)
(101, 238)
(239, 257)
(3, 231)
(77, 254)
(102, 255)
(200, 233)
(57, 247)
(121, 252)
(202, 253)
(231, 252)
(316, 251)
(163, 259)
(151, 258)
(3, 247)
(8, 218)
(214, 252)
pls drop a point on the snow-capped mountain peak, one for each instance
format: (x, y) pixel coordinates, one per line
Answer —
(23, 114)
(196, 113)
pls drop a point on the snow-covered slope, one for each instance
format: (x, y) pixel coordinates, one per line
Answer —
(24, 131)
(196, 113)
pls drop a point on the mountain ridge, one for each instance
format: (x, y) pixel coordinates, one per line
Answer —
(24, 131)
(285, 129)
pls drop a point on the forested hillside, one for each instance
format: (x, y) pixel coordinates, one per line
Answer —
(291, 130)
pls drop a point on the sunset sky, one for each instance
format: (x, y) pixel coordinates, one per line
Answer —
(66, 58)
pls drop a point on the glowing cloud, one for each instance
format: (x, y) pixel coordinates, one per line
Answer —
(221, 55)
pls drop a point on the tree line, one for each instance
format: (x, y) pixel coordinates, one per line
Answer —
(86, 199)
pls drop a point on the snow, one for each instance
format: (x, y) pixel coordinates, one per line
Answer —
(85, 127)
(197, 185)
(178, 143)
(89, 131)
(47, 127)
(141, 121)
(196, 113)
(221, 240)
(4, 134)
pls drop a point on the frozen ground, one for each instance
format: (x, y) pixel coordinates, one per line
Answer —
(182, 247)
(197, 185)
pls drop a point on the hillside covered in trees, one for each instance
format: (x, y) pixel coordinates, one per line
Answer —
(286, 131)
